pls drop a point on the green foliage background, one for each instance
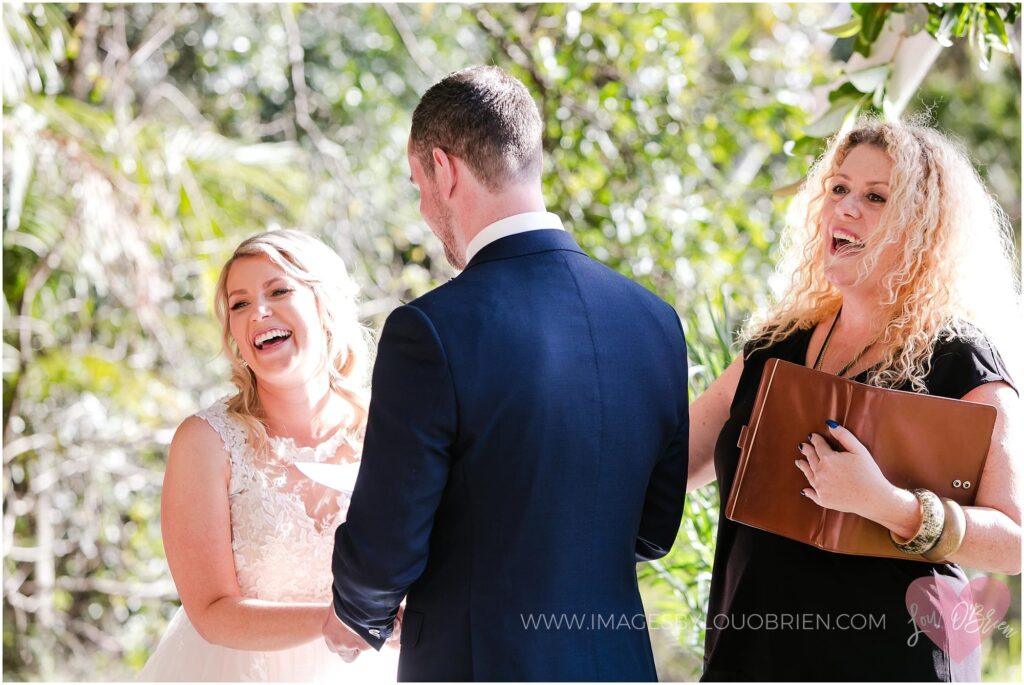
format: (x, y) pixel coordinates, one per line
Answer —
(143, 142)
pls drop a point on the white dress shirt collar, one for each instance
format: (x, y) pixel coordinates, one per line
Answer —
(510, 225)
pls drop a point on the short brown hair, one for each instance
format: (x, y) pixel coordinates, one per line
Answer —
(484, 116)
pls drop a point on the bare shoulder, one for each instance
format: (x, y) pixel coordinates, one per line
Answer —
(1000, 395)
(197, 446)
(735, 367)
(727, 383)
(195, 432)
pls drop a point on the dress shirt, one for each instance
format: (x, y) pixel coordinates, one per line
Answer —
(510, 225)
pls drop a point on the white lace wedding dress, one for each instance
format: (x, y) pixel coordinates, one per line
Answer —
(282, 535)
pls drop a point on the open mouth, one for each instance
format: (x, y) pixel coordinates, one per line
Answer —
(844, 243)
(271, 339)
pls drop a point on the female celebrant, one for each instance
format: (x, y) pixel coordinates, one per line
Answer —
(901, 277)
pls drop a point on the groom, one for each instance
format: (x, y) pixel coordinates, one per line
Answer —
(527, 438)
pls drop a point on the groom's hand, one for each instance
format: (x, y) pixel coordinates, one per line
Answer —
(341, 639)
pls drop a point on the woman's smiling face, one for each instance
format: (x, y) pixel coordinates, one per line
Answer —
(274, 321)
(856, 196)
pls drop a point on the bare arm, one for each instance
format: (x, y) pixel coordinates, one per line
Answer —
(196, 526)
(852, 482)
(993, 539)
(708, 415)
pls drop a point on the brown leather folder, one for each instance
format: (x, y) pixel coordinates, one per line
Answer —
(918, 441)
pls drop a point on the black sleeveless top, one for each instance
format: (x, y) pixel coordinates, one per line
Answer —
(783, 610)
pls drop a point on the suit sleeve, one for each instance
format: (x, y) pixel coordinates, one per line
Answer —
(382, 547)
(666, 491)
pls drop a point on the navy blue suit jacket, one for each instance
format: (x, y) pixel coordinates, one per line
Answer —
(526, 446)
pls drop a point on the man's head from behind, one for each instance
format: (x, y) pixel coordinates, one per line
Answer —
(485, 119)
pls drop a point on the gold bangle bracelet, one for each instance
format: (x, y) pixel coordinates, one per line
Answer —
(953, 531)
(932, 520)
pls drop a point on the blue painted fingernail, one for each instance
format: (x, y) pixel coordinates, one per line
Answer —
(809, 438)
(832, 424)
(802, 494)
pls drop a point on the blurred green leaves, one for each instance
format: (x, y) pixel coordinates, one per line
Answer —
(143, 141)
(869, 86)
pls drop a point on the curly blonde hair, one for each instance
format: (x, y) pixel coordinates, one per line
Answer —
(349, 343)
(954, 273)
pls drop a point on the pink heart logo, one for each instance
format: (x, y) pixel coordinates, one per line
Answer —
(956, 616)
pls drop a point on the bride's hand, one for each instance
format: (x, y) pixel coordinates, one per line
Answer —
(341, 639)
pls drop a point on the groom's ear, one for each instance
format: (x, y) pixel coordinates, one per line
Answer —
(446, 172)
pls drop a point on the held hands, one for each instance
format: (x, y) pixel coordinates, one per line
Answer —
(344, 642)
(341, 639)
(849, 480)
(396, 635)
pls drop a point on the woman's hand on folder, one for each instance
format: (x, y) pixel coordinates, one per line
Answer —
(850, 481)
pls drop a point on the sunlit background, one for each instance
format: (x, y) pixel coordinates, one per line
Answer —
(141, 143)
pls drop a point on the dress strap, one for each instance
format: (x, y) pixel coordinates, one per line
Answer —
(231, 432)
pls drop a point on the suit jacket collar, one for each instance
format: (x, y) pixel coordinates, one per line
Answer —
(520, 244)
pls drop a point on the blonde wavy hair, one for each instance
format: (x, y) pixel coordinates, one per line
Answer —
(953, 276)
(349, 343)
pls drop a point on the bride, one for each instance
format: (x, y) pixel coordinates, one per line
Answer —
(248, 538)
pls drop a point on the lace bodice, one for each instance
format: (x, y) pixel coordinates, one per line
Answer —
(282, 523)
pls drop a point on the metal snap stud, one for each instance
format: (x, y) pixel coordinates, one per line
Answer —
(967, 484)
(956, 484)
